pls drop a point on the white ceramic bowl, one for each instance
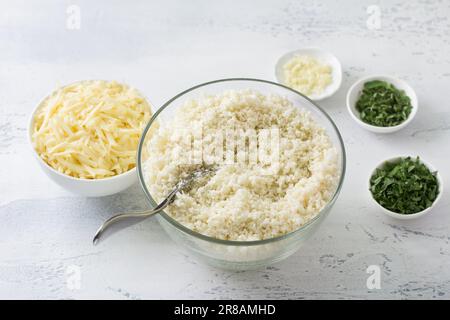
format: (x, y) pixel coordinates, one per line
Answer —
(413, 215)
(355, 91)
(84, 187)
(320, 55)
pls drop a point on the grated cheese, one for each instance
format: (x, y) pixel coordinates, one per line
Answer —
(90, 129)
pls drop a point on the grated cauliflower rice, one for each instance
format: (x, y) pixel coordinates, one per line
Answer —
(241, 201)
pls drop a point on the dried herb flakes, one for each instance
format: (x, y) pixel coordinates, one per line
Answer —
(382, 104)
(406, 186)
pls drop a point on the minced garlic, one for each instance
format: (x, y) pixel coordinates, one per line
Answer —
(307, 75)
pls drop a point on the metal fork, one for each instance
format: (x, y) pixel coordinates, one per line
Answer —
(183, 184)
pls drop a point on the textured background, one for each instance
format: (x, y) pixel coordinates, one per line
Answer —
(165, 47)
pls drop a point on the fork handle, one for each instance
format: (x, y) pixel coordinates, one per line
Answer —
(136, 214)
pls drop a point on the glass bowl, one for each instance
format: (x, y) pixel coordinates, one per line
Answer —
(240, 255)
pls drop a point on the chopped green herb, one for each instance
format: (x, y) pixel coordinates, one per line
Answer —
(406, 186)
(383, 105)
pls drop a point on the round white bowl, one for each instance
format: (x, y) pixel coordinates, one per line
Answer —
(413, 215)
(354, 93)
(320, 55)
(83, 187)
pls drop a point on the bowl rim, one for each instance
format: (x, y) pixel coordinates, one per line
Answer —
(387, 78)
(402, 216)
(200, 236)
(50, 168)
(337, 63)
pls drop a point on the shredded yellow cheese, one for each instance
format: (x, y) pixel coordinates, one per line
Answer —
(307, 75)
(91, 129)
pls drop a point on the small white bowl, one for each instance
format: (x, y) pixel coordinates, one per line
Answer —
(320, 55)
(355, 91)
(413, 215)
(84, 187)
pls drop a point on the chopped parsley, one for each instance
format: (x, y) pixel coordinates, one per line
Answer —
(406, 186)
(383, 105)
